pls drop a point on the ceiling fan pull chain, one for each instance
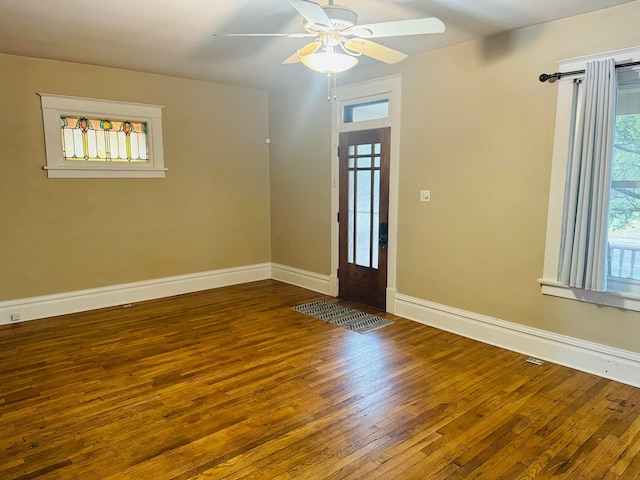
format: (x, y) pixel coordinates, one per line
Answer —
(331, 89)
(328, 87)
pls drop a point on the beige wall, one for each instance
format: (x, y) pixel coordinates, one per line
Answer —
(210, 212)
(300, 169)
(477, 130)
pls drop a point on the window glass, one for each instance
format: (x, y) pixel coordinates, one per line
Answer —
(362, 112)
(102, 140)
(624, 202)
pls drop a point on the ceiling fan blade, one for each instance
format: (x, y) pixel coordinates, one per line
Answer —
(312, 12)
(308, 49)
(417, 26)
(287, 35)
(374, 50)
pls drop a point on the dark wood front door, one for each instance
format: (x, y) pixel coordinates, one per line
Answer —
(364, 216)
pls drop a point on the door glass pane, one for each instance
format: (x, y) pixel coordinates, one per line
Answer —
(351, 224)
(363, 219)
(364, 149)
(376, 218)
(364, 162)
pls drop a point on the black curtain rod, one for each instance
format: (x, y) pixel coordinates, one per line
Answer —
(558, 75)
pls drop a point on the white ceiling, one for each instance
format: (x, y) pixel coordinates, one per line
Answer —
(176, 38)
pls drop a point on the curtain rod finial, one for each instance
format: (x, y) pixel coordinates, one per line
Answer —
(544, 77)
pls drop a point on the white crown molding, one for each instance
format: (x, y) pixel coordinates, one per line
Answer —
(612, 363)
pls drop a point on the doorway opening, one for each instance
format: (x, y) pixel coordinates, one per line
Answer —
(366, 129)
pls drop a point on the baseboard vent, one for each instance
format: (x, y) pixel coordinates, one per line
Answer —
(535, 361)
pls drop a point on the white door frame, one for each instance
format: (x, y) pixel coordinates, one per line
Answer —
(386, 87)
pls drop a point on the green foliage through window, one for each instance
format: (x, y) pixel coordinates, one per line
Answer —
(624, 207)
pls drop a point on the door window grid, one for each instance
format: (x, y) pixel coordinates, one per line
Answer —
(364, 204)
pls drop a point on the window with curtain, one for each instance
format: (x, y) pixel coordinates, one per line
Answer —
(593, 232)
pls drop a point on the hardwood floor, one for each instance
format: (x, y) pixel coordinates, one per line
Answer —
(231, 383)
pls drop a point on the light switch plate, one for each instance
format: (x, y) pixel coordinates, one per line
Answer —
(425, 195)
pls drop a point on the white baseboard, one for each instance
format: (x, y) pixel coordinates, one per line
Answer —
(391, 293)
(302, 278)
(333, 286)
(615, 364)
(82, 300)
(608, 362)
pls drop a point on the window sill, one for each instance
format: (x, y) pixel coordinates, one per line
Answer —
(609, 299)
(104, 172)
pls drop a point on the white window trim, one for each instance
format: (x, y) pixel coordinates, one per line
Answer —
(55, 106)
(549, 280)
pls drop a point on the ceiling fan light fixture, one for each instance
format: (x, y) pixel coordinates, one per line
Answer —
(329, 62)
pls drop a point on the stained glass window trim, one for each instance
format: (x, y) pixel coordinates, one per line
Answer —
(138, 141)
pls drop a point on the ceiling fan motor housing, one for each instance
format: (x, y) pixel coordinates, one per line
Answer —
(341, 17)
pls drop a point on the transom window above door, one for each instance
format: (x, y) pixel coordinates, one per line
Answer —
(366, 111)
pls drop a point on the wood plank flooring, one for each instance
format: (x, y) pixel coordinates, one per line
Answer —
(231, 383)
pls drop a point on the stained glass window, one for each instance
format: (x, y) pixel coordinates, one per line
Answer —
(93, 138)
(104, 140)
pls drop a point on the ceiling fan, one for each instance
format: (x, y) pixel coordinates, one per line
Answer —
(339, 40)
